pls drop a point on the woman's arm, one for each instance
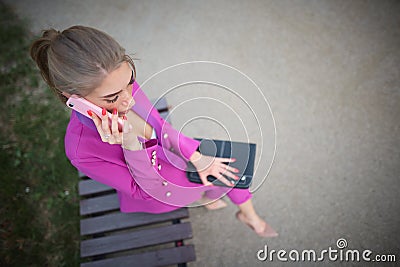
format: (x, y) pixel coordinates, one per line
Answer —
(187, 148)
(177, 142)
(111, 174)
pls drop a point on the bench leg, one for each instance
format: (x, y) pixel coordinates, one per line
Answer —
(179, 243)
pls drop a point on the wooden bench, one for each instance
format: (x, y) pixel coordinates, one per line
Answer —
(112, 238)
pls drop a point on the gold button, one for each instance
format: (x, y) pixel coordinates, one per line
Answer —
(164, 183)
(153, 162)
(154, 157)
(153, 153)
(159, 167)
(165, 136)
(168, 194)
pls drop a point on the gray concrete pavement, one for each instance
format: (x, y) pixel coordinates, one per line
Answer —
(330, 71)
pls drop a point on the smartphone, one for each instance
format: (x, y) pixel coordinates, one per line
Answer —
(82, 106)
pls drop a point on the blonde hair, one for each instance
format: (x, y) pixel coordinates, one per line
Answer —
(76, 60)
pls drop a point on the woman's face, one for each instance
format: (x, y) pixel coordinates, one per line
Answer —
(115, 91)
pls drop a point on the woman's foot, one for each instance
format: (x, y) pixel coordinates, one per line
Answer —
(213, 204)
(258, 225)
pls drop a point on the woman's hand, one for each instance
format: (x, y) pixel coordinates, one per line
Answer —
(112, 135)
(207, 165)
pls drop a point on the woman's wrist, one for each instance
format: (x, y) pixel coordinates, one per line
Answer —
(195, 156)
(131, 142)
(132, 147)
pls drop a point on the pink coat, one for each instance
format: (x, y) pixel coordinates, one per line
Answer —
(149, 180)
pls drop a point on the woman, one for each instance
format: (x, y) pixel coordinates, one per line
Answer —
(145, 162)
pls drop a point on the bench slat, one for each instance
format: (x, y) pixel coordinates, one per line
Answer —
(117, 221)
(168, 256)
(162, 108)
(160, 103)
(99, 204)
(143, 238)
(165, 116)
(88, 187)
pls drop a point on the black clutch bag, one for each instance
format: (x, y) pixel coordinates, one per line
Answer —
(243, 152)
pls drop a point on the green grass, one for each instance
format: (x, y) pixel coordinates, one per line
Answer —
(39, 221)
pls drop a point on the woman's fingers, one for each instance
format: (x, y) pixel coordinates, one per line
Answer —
(224, 180)
(226, 169)
(107, 134)
(126, 127)
(226, 159)
(114, 127)
(216, 168)
(204, 180)
(99, 124)
(96, 120)
(104, 123)
(229, 168)
(105, 126)
(228, 173)
(114, 121)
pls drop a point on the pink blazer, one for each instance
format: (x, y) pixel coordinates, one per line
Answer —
(142, 185)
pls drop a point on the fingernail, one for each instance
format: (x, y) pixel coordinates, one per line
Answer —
(103, 112)
(124, 117)
(90, 113)
(114, 111)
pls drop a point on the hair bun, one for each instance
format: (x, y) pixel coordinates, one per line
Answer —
(51, 34)
(39, 53)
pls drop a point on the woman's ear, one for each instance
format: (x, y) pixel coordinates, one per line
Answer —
(66, 94)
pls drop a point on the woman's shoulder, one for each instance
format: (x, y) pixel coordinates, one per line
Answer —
(80, 140)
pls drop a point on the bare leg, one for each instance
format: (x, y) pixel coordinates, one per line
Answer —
(248, 215)
(212, 204)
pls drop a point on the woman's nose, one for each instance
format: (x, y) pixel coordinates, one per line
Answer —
(127, 100)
